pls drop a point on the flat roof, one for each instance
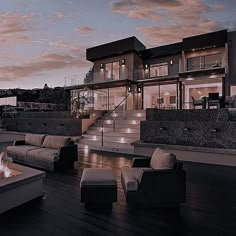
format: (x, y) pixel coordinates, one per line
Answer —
(131, 44)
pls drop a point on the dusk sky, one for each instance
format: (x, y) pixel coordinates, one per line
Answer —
(43, 41)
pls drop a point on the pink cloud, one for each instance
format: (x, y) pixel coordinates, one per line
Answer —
(65, 45)
(44, 63)
(14, 27)
(84, 29)
(160, 35)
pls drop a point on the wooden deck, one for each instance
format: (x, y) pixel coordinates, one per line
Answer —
(210, 208)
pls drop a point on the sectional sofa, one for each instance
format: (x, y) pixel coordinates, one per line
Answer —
(47, 152)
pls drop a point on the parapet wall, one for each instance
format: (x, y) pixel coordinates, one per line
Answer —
(213, 128)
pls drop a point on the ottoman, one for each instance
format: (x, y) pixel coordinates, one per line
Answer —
(98, 187)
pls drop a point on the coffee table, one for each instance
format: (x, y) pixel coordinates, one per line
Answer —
(23, 186)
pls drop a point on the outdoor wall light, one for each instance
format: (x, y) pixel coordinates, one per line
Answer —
(129, 89)
(122, 62)
(139, 89)
(162, 128)
(146, 66)
(102, 66)
(171, 62)
(186, 129)
(214, 130)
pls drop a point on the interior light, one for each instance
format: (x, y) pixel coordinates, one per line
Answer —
(85, 146)
(122, 140)
(134, 122)
(128, 130)
(139, 115)
(108, 121)
(94, 137)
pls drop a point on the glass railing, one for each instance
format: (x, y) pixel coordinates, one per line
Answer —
(111, 117)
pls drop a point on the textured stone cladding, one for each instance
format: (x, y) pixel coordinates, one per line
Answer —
(212, 128)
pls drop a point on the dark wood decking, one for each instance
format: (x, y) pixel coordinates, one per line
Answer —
(210, 208)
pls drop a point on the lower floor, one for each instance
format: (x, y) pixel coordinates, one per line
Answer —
(210, 207)
(174, 93)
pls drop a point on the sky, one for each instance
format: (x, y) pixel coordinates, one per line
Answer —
(45, 41)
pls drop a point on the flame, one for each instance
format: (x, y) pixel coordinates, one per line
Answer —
(4, 170)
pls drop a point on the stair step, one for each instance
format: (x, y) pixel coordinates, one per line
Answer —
(119, 130)
(112, 134)
(116, 139)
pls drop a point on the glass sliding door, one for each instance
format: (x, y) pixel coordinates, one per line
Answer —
(162, 96)
(112, 71)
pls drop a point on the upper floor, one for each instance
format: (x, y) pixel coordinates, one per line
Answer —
(128, 59)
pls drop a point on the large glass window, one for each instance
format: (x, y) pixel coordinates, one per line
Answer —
(205, 62)
(160, 69)
(162, 96)
(200, 88)
(108, 99)
(112, 70)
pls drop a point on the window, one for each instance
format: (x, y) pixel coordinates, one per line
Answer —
(112, 70)
(160, 69)
(204, 62)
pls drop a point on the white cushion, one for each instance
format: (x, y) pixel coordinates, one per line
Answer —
(162, 160)
(56, 142)
(34, 139)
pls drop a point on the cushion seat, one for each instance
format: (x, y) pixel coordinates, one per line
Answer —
(95, 176)
(46, 154)
(21, 149)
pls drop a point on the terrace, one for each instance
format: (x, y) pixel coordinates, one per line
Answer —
(210, 206)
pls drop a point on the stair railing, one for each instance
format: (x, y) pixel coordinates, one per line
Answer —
(114, 121)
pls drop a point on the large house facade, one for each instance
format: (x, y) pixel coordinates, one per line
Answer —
(166, 77)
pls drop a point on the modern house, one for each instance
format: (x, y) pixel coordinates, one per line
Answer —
(161, 77)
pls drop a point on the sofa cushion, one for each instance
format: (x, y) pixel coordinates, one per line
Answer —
(162, 160)
(46, 154)
(21, 149)
(34, 139)
(56, 142)
(130, 177)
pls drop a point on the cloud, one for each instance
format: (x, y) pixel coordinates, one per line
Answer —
(182, 18)
(44, 63)
(14, 27)
(160, 35)
(84, 29)
(65, 45)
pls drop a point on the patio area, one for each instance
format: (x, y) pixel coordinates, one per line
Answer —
(210, 207)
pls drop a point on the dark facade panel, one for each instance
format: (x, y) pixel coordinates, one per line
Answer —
(166, 50)
(218, 38)
(114, 48)
(232, 57)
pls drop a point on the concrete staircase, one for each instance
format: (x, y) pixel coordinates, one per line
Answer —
(127, 130)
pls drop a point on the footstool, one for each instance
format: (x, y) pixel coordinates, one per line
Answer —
(98, 187)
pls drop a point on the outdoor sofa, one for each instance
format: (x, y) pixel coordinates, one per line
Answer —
(48, 152)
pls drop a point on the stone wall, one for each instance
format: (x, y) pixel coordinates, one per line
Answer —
(213, 128)
(55, 123)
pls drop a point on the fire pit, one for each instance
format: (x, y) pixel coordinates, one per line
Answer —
(18, 184)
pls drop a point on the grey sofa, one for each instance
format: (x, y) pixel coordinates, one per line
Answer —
(156, 181)
(44, 151)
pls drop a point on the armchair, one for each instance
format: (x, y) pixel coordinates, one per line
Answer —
(156, 181)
